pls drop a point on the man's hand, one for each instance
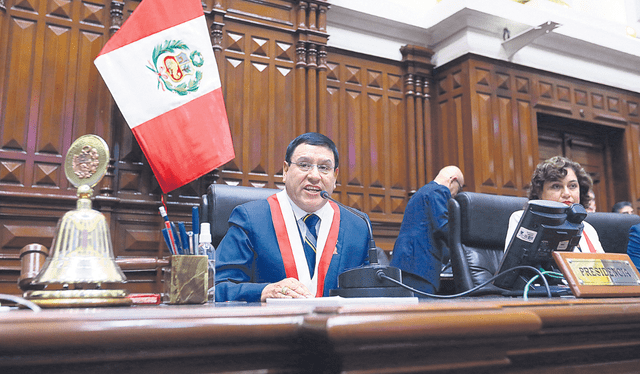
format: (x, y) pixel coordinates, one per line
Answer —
(289, 288)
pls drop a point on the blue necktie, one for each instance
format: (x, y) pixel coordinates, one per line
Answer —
(310, 241)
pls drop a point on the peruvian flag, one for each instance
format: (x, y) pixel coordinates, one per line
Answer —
(162, 73)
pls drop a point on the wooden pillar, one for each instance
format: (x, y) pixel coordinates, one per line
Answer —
(301, 84)
(311, 69)
(217, 14)
(322, 18)
(322, 87)
(322, 66)
(420, 160)
(427, 133)
(302, 15)
(418, 72)
(107, 184)
(116, 16)
(313, 7)
(411, 131)
(312, 65)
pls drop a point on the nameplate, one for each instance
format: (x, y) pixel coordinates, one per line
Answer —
(599, 274)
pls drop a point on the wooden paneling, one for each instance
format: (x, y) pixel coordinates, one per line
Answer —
(502, 129)
(272, 59)
(396, 123)
(365, 116)
(50, 93)
(263, 91)
(499, 136)
(50, 90)
(452, 123)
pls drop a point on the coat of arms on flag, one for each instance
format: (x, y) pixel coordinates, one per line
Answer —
(177, 67)
(170, 92)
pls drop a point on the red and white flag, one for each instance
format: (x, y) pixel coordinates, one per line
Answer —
(162, 73)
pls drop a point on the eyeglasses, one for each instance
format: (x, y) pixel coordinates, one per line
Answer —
(307, 166)
(459, 185)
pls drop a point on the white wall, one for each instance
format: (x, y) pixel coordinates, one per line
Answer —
(590, 44)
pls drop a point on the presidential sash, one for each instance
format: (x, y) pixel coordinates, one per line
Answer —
(289, 238)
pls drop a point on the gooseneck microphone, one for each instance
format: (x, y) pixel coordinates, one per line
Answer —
(373, 251)
(368, 280)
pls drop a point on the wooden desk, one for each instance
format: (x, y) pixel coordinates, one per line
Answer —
(463, 336)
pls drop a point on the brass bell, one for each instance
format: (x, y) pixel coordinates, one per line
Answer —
(81, 259)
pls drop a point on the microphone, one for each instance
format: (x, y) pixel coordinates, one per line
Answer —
(369, 280)
(373, 251)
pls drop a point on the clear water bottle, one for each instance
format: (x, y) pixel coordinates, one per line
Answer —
(205, 248)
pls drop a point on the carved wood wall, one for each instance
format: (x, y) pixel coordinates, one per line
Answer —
(395, 122)
(487, 123)
(279, 80)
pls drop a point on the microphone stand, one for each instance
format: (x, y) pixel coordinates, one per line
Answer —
(368, 280)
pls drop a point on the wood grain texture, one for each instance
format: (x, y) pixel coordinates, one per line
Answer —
(396, 123)
(454, 336)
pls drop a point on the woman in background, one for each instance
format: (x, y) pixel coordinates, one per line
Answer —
(565, 181)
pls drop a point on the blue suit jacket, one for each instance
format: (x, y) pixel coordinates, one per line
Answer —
(413, 251)
(633, 248)
(248, 257)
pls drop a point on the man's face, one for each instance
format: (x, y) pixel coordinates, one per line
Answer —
(304, 187)
(626, 210)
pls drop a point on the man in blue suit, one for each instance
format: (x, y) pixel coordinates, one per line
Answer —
(425, 219)
(295, 243)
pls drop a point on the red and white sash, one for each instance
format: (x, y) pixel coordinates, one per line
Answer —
(290, 242)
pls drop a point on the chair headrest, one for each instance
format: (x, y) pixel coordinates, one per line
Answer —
(613, 229)
(485, 217)
(222, 199)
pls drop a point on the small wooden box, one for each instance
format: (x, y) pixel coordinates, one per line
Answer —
(187, 280)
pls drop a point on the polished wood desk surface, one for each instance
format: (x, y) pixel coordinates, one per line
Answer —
(459, 336)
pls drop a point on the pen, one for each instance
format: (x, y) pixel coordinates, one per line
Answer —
(184, 239)
(195, 226)
(191, 247)
(167, 225)
(167, 239)
(176, 237)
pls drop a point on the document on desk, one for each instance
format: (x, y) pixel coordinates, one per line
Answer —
(339, 301)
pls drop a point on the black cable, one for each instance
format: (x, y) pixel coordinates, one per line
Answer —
(381, 275)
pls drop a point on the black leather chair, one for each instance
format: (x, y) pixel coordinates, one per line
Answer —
(478, 226)
(219, 201)
(477, 230)
(613, 229)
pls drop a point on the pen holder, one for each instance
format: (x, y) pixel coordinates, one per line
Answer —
(187, 280)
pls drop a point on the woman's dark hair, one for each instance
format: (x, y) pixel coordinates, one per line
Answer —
(619, 205)
(555, 169)
(312, 138)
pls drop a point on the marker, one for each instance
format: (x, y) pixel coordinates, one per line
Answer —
(195, 226)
